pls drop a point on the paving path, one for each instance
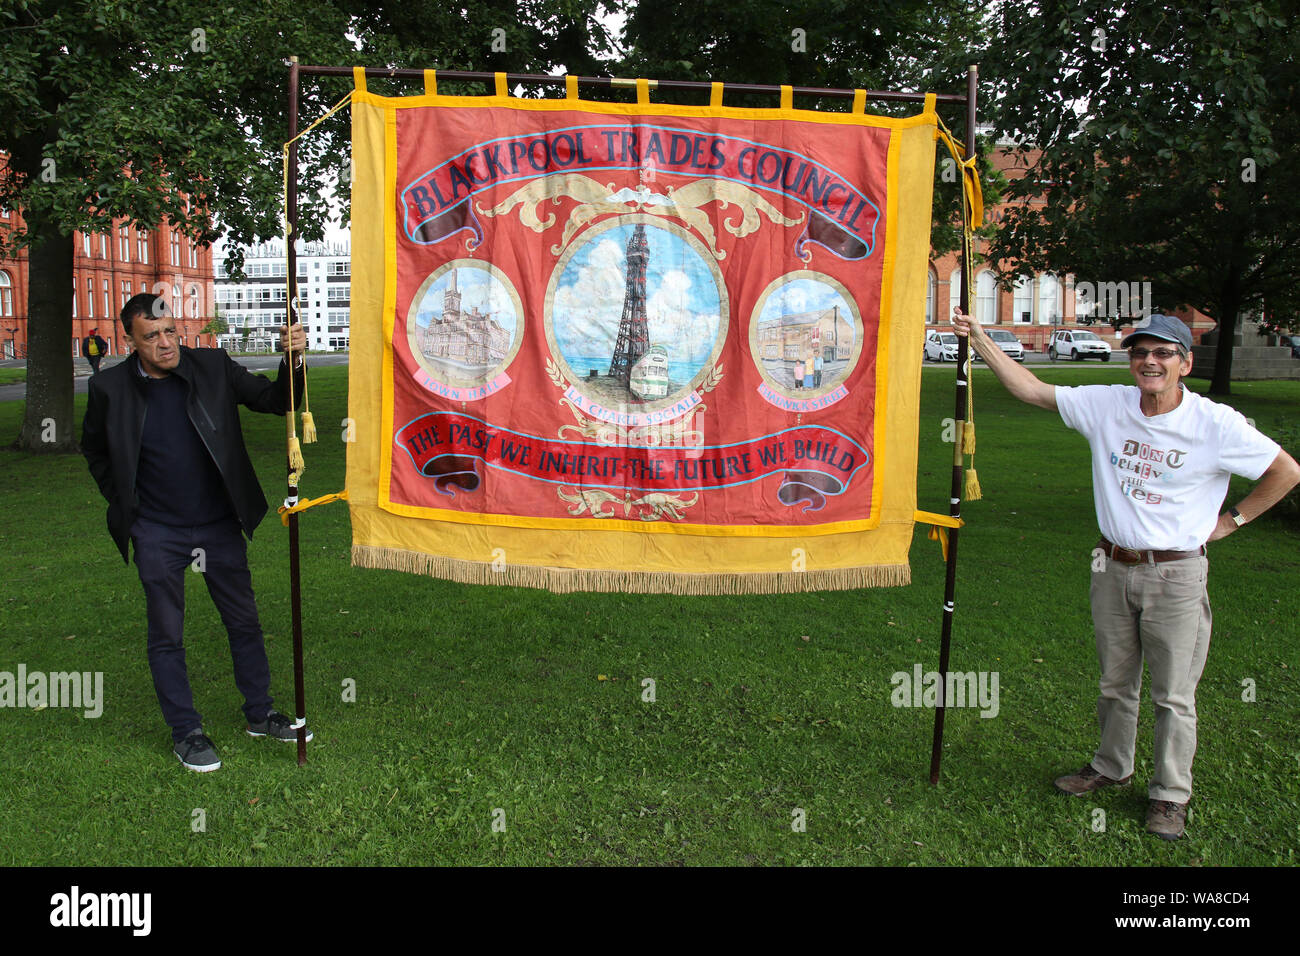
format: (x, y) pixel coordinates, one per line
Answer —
(264, 363)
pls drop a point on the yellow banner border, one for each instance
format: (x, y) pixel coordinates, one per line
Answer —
(390, 105)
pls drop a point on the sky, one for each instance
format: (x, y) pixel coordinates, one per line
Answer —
(805, 295)
(682, 298)
(478, 289)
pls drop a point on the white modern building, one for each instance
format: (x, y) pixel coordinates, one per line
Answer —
(255, 308)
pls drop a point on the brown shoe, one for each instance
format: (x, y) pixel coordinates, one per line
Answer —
(1086, 781)
(1166, 819)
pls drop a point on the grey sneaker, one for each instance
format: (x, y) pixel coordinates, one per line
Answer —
(1166, 819)
(196, 753)
(1086, 781)
(276, 725)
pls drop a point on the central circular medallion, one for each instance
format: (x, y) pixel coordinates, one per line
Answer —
(636, 314)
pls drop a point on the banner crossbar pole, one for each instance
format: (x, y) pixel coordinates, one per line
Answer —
(614, 82)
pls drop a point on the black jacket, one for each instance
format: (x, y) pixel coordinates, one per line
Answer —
(114, 423)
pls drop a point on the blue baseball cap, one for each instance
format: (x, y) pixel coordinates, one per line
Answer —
(1164, 327)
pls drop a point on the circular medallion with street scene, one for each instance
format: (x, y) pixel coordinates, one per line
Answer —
(805, 336)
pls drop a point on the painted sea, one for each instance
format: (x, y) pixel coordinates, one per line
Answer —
(679, 372)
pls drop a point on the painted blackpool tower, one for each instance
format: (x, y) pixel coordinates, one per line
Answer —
(633, 335)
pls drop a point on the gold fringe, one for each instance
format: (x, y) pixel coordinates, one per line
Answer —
(308, 428)
(967, 436)
(973, 492)
(570, 580)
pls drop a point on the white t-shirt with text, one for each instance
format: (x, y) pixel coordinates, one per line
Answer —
(1159, 481)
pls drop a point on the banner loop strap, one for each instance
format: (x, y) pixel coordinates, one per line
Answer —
(359, 78)
(715, 95)
(431, 82)
(570, 87)
(642, 92)
(787, 97)
(502, 88)
(859, 101)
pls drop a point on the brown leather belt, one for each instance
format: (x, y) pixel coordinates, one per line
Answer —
(1129, 556)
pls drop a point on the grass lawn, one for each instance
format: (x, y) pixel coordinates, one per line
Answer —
(476, 705)
(12, 376)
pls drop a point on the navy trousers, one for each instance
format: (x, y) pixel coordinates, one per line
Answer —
(163, 556)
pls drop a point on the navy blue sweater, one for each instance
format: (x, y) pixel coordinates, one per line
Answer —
(177, 481)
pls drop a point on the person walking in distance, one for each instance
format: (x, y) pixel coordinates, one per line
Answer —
(93, 348)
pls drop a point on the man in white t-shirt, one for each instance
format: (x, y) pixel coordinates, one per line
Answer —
(1161, 458)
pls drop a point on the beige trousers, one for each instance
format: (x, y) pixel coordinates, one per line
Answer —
(1159, 612)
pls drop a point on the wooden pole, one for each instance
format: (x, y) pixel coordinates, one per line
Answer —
(954, 500)
(291, 265)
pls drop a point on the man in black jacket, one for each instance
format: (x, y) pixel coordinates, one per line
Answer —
(163, 441)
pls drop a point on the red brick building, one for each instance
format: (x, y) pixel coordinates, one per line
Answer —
(1033, 308)
(108, 268)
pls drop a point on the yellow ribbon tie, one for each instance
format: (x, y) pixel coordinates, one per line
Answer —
(305, 503)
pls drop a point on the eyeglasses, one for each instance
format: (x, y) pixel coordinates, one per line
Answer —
(1140, 355)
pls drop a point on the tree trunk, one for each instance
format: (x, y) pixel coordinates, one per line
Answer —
(48, 424)
(1230, 299)
(1221, 382)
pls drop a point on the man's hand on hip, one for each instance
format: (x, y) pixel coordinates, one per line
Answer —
(1223, 528)
(1278, 479)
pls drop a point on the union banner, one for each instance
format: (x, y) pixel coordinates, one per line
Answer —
(636, 347)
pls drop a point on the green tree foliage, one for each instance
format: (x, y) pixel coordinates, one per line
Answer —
(907, 46)
(175, 110)
(1164, 130)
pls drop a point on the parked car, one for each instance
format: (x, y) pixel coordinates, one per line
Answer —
(1007, 343)
(1077, 344)
(941, 347)
(1291, 341)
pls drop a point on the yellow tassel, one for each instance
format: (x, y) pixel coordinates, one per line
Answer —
(308, 428)
(967, 437)
(973, 492)
(296, 463)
